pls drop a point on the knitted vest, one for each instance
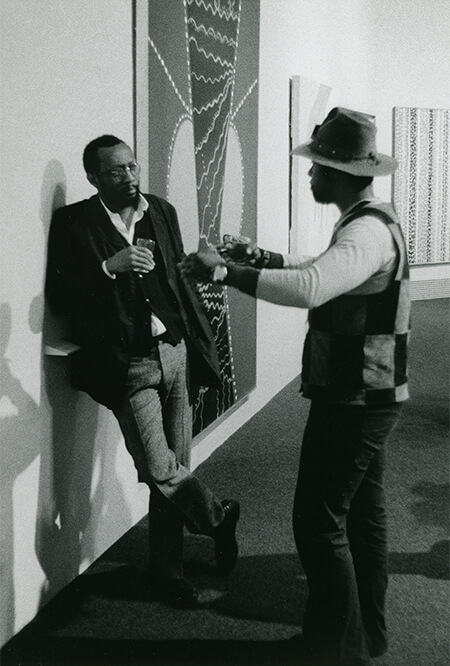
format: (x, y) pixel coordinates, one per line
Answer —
(356, 346)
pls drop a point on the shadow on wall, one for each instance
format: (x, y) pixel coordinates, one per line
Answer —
(62, 430)
(18, 417)
(67, 453)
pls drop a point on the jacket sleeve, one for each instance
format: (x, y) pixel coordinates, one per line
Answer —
(74, 274)
(176, 233)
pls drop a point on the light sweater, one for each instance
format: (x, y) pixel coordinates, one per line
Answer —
(363, 249)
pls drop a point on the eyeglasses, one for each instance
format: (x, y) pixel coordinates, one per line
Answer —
(119, 172)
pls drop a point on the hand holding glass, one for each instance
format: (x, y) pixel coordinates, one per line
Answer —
(146, 242)
(234, 247)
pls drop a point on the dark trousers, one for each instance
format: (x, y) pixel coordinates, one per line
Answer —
(339, 525)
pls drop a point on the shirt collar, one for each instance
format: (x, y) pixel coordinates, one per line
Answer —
(120, 225)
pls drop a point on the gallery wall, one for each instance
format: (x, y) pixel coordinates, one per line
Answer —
(410, 68)
(68, 489)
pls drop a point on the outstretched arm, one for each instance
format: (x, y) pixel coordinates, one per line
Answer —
(360, 252)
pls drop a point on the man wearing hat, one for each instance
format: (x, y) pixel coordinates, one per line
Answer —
(355, 374)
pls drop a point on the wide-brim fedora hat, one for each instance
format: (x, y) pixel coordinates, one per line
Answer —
(346, 141)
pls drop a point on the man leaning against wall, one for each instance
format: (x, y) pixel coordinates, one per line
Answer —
(144, 340)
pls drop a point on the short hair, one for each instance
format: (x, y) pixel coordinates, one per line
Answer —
(90, 154)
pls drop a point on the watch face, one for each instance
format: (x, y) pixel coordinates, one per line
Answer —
(220, 273)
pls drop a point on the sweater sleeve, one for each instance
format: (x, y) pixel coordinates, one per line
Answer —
(361, 250)
(297, 261)
(243, 278)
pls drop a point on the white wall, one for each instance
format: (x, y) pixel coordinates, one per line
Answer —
(409, 59)
(410, 67)
(68, 489)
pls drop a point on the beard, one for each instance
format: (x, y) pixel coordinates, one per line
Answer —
(129, 191)
(321, 195)
(127, 195)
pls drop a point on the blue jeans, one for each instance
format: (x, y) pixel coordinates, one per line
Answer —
(156, 422)
(339, 524)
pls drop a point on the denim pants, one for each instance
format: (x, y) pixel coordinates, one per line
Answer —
(339, 522)
(156, 422)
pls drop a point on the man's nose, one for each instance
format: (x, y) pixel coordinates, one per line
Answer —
(128, 175)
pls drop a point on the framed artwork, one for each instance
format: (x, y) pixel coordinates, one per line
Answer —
(196, 85)
(311, 224)
(421, 184)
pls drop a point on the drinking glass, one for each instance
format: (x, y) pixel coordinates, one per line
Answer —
(237, 247)
(148, 243)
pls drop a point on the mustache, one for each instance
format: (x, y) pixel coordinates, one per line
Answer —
(126, 186)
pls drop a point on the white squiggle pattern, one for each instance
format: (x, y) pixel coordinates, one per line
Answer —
(217, 100)
(220, 142)
(188, 60)
(230, 343)
(206, 234)
(164, 66)
(215, 34)
(216, 10)
(205, 139)
(244, 99)
(235, 56)
(209, 79)
(199, 407)
(212, 105)
(210, 56)
(211, 188)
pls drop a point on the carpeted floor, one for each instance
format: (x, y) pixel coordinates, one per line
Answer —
(104, 617)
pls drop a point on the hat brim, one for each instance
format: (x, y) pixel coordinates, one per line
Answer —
(384, 165)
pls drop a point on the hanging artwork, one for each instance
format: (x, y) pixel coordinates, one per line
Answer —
(196, 137)
(421, 182)
(310, 224)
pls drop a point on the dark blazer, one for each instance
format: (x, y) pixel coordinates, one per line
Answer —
(100, 308)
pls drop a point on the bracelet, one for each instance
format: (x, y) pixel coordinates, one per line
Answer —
(263, 260)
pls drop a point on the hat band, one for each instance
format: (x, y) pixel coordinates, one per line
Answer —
(325, 150)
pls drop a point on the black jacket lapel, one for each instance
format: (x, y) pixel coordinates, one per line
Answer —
(101, 226)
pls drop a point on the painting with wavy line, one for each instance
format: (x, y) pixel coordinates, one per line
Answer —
(201, 69)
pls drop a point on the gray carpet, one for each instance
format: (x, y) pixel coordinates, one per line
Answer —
(105, 618)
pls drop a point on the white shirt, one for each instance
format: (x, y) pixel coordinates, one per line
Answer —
(128, 233)
(362, 260)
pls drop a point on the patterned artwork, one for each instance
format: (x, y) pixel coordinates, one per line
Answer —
(421, 182)
(311, 223)
(196, 131)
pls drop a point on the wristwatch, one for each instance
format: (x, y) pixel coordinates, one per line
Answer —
(219, 273)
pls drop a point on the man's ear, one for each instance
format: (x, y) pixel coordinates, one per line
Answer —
(92, 179)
